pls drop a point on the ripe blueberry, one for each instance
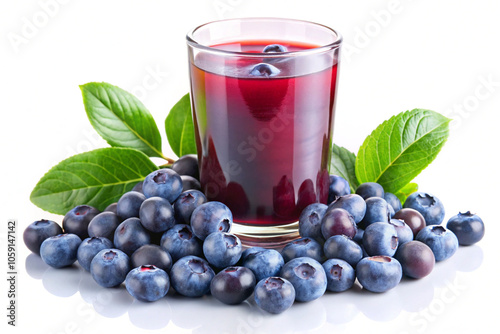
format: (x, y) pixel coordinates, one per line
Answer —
(428, 205)
(164, 183)
(60, 251)
(89, 248)
(38, 231)
(340, 275)
(77, 220)
(129, 204)
(211, 217)
(307, 277)
(379, 273)
(468, 228)
(147, 283)
(110, 267)
(233, 285)
(274, 294)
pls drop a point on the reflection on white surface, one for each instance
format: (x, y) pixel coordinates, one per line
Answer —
(207, 315)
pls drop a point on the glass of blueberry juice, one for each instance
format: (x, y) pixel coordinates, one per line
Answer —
(263, 101)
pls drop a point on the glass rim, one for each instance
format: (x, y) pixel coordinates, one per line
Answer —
(191, 41)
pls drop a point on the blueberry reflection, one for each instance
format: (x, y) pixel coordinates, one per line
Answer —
(384, 306)
(112, 302)
(62, 282)
(470, 258)
(415, 294)
(140, 314)
(183, 310)
(88, 288)
(223, 318)
(207, 315)
(341, 306)
(316, 316)
(35, 267)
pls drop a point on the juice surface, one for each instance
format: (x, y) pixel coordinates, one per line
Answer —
(264, 139)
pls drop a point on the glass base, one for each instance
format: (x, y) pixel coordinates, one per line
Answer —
(266, 236)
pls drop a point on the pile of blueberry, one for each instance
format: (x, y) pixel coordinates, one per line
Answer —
(164, 233)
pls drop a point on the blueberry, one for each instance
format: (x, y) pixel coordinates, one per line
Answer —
(274, 294)
(310, 221)
(264, 263)
(111, 208)
(307, 277)
(428, 205)
(211, 217)
(404, 231)
(379, 273)
(104, 225)
(393, 201)
(190, 183)
(341, 247)
(274, 48)
(359, 236)
(152, 255)
(416, 258)
(89, 248)
(147, 283)
(38, 231)
(157, 214)
(185, 205)
(380, 239)
(412, 218)
(303, 247)
(60, 250)
(233, 285)
(249, 251)
(264, 70)
(187, 165)
(110, 267)
(138, 187)
(338, 187)
(337, 222)
(129, 204)
(391, 210)
(468, 228)
(130, 235)
(352, 203)
(370, 189)
(222, 249)
(340, 275)
(77, 220)
(164, 183)
(441, 241)
(377, 210)
(191, 276)
(180, 241)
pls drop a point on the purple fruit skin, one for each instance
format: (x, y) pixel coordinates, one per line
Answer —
(337, 222)
(416, 258)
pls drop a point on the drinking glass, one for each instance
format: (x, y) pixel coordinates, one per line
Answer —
(263, 102)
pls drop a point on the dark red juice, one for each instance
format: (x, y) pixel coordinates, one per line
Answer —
(264, 141)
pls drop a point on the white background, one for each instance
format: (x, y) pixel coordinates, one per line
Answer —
(398, 55)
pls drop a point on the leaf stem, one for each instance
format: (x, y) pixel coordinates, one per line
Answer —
(169, 160)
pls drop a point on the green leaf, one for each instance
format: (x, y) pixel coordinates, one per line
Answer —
(342, 163)
(120, 118)
(180, 129)
(401, 147)
(97, 178)
(406, 191)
